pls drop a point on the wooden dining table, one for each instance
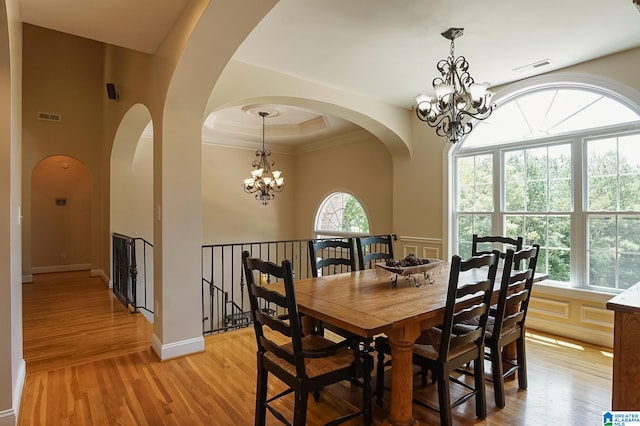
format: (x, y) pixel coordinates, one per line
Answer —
(367, 303)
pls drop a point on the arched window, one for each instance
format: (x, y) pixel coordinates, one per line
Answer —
(561, 167)
(341, 214)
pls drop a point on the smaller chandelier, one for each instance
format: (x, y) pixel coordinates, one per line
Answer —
(459, 99)
(263, 182)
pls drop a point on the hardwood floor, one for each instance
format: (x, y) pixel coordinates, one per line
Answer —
(89, 362)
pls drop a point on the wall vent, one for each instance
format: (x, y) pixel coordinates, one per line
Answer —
(50, 116)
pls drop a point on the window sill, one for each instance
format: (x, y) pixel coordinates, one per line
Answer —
(549, 289)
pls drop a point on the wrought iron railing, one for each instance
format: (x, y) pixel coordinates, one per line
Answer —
(225, 305)
(132, 281)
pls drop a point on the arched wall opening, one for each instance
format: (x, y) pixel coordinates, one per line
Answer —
(131, 171)
(131, 198)
(61, 204)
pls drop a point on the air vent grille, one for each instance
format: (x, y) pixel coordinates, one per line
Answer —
(50, 116)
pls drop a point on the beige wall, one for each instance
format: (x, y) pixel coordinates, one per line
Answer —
(63, 75)
(61, 233)
(362, 168)
(229, 215)
(12, 365)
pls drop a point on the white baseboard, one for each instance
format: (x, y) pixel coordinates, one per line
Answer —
(583, 334)
(27, 278)
(10, 417)
(60, 268)
(177, 349)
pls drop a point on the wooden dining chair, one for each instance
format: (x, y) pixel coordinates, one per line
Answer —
(507, 323)
(486, 244)
(329, 257)
(305, 364)
(441, 351)
(373, 248)
(332, 256)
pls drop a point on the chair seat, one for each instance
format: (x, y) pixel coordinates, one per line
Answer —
(315, 366)
(428, 345)
(468, 326)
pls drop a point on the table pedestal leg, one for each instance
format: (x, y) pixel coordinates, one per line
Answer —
(401, 341)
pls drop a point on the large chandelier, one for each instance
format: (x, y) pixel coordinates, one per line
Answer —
(459, 99)
(263, 182)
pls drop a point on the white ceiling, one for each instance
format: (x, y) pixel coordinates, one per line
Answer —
(386, 50)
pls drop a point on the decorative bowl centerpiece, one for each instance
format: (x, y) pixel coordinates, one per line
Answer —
(410, 266)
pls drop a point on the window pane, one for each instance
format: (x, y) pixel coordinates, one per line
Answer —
(560, 195)
(630, 192)
(560, 232)
(514, 226)
(602, 269)
(514, 196)
(629, 154)
(482, 225)
(484, 198)
(602, 193)
(560, 178)
(602, 233)
(465, 183)
(536, 163)
(341, 212)
(538, 179)
(549, 111)
(536, 230)
(602, 169)
(629, 270)
(474, 184)
(602, 157)
(536, 196)
(559, 265)
(629, 234)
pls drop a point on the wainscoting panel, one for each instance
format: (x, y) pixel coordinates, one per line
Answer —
(597, 316)
(572, 313)
(422, 247)
(549, 307)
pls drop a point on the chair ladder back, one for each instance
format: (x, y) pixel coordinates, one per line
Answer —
(373, 248)
(461, 308)
(504, 242)
(326, 253)
(289, 325)
(531, 255)
(515, 289)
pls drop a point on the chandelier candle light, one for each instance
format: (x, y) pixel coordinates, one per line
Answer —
(459, 99)
(263, 182)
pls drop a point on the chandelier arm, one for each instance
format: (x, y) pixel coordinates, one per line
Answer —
(477, 115)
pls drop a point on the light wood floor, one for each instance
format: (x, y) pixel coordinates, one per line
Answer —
(89, 363)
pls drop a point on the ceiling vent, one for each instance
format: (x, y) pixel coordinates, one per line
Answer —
(534, 65)
(50, 116)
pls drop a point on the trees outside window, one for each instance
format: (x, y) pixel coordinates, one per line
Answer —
(341, 214)
(562, 169)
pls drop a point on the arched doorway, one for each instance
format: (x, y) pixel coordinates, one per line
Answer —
(61, 203)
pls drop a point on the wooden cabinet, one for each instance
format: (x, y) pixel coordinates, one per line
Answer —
(626, 350)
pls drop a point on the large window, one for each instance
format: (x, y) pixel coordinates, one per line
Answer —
(341, 214)
(561, 167)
